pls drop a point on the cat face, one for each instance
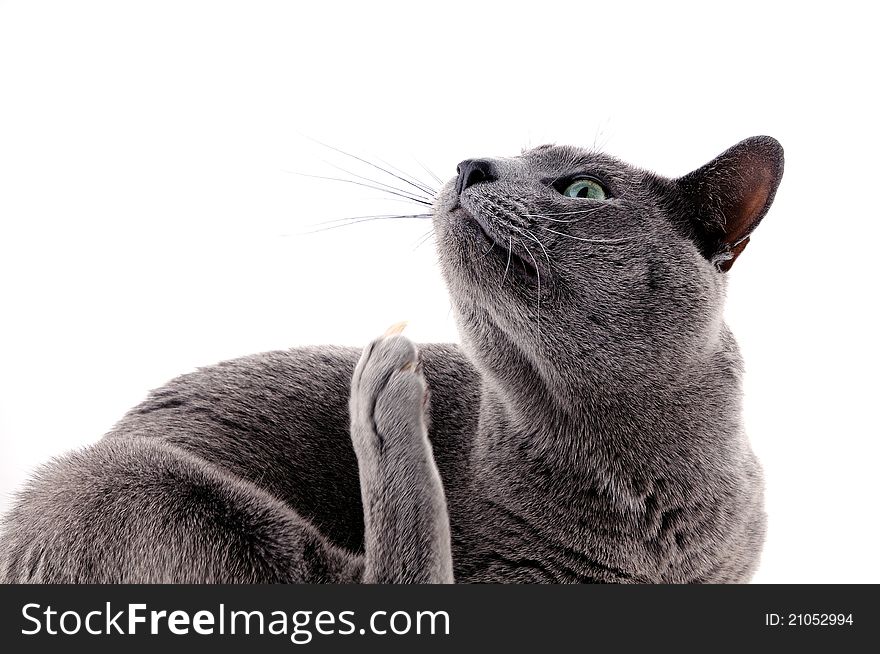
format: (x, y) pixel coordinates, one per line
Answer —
(587, 270)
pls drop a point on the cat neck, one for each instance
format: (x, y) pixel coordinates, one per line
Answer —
(528, 424)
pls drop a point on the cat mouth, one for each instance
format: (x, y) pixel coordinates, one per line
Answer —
(503, 247)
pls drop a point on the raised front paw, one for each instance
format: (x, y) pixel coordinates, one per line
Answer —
(388, 395)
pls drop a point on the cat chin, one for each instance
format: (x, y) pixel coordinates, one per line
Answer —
(482, 244)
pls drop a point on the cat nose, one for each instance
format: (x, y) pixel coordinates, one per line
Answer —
(474, 171)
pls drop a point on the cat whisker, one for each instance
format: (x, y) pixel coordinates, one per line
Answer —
(541, 245)
(412, 179)
(507, 267)
(538, 274)
(430, 172)
(574, 211)
(553, 220)
(390, 199)
(412, 198)
(424, 239)
(582, 213)
(348, 222)
(608, 241)
(347, 219)
(368, 162)
(389, 187)
(600, 132)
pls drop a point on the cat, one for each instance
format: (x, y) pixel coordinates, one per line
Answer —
(587, 429)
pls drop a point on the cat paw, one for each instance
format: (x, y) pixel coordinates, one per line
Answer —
(388, 394)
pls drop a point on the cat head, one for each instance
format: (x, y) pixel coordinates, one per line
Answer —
(567, 267)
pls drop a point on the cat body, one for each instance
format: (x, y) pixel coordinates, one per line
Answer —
(587, 429)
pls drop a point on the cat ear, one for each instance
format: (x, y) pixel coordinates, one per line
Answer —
(724, 201)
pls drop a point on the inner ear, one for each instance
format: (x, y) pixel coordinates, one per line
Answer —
(724, 201)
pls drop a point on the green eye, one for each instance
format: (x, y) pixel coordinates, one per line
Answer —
(585, 188)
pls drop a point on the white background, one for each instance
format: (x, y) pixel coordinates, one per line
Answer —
(152, 223)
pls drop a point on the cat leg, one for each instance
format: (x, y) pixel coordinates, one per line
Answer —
(406, 523)
(140, 511)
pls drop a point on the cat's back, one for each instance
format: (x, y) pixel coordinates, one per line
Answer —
(280, 420)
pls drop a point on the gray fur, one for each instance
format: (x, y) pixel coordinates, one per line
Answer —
(587, 430)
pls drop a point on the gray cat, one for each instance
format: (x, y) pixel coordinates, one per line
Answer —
(587, 429)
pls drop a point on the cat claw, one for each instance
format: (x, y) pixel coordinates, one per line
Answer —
(396, 328)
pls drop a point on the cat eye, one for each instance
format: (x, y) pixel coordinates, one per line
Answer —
(585, 188)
